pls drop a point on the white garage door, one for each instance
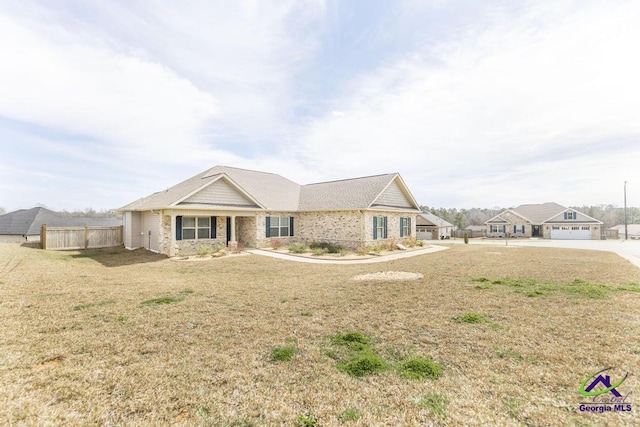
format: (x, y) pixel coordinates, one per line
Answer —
(424, 235)
(570, 233)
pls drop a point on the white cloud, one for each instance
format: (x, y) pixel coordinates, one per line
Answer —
(139, 106)
(488, 117)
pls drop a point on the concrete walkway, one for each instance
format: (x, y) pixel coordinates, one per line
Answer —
(383, 258)
(627, 249)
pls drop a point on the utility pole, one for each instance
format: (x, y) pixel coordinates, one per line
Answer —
(625, 210)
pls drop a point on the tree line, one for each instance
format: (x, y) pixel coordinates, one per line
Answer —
(610, 215)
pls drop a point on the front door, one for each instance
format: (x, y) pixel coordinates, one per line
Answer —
(228, 230)
(536, 231)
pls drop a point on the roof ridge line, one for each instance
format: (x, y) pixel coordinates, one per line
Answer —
(349, 179)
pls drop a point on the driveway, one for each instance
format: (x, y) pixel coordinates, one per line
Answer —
(628, 249)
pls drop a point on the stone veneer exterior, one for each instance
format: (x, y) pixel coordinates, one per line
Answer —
(349, 229)
(513, 219)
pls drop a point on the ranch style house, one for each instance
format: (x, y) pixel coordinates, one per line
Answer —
(546, 221)
(231, 206)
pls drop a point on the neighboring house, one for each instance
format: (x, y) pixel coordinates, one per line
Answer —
(546, 221)
(226, 205)
(633, 231)
(432, 227)
(24, 225)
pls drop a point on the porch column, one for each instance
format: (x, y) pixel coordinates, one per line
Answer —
(233, 244)
(232, 238)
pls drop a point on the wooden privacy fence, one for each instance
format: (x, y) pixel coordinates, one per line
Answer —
(61, 238)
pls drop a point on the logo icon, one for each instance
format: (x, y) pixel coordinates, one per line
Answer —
(604, 393)
(605, 381)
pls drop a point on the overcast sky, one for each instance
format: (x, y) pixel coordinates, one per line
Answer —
(475, 104)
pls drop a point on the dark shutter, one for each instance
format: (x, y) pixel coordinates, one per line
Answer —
(179, 228)
(409, 226)
(401, 224)
(290, 226)
(385, 227)
(268, 234)
(375, 227)
(213, 227)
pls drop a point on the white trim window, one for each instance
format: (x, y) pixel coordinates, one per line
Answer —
(405, 226)
(279, 226)
(195, 227)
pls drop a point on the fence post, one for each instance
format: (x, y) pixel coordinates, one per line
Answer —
(86, 237)
(43, 236)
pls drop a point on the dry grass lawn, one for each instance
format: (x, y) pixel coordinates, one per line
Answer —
(111, 337)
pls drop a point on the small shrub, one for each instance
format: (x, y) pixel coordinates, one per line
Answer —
(319, 251)
(410, 241)
(303, 420)
(465, 236)
(420, 368)
(298, 248)
(391, 245)
(275, 243)
(350, 414)
(374, 249)
(420, 243)
(470, 318)
(363, 364)
(282, 354)
(331, 248)
(204, 250)
(362, 250)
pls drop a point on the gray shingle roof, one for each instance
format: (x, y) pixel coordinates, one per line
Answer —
(355, 193)
(274, 192)
(434, 219)
(27, 222)
(539, 213)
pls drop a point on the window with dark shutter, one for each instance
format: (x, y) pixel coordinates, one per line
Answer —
(179, 228)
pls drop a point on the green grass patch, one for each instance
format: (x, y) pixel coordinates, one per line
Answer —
(98, 304)
(508, 354)
(161, 301)
(304, 420)
(354, 340)
(435, 402)
(357, 357)
(470, 317)
(533, 288)
(283, 354)
(420, 368)
(365, 363)
(631, 286)
(350, 414)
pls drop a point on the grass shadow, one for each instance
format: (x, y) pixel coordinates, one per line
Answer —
(119, 256)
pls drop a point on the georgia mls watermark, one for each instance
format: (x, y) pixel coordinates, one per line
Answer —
(605, 396)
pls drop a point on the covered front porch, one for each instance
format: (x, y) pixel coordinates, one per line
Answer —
(188, 232)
